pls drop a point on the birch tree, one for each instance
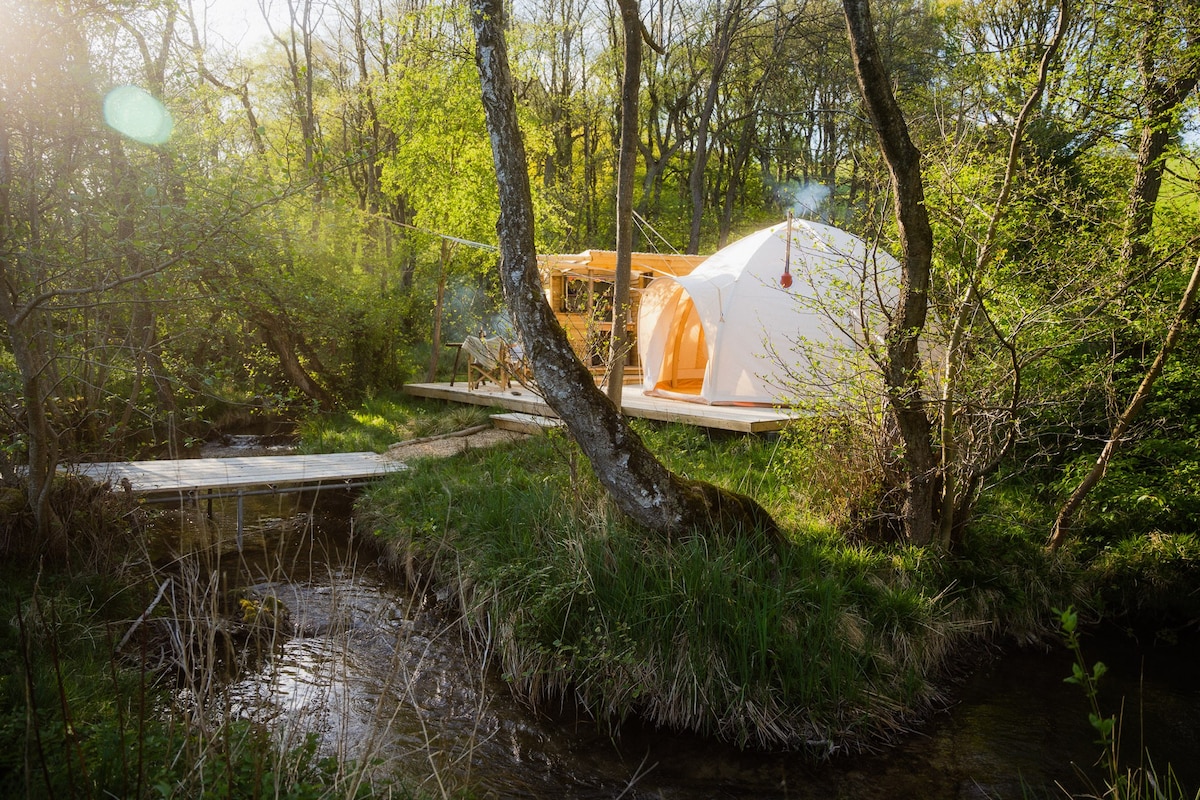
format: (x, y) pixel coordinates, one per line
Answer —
(645, 490)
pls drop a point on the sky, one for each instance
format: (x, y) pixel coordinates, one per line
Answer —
(237, 22)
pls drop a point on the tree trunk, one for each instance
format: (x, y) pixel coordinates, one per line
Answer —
(645, 490)
(626, 165)
(279, 338)
(1066, 515)
(727, 27)
(902, 373)
(1162, 98)
(25, 331)
(41, 447)
(736, 178)
(436, 346)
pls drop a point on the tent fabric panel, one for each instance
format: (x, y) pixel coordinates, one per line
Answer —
(655, 313)
(840, 286)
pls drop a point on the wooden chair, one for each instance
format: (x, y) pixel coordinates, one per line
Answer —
(493, 359)
(485, 361)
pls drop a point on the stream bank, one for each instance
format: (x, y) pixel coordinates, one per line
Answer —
(381, 675)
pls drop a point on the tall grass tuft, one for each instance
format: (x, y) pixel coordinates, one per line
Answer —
(824, 646)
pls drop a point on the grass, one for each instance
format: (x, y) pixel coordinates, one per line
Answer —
(825, 646)
(382, 421)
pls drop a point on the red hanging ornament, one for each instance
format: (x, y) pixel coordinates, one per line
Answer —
(785, 280)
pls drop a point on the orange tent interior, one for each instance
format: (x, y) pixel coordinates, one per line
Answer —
(579, 288)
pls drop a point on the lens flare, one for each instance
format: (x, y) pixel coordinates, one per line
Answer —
(137, 114)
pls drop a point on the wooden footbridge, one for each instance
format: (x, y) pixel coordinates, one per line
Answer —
(235, 476)
(196, 479)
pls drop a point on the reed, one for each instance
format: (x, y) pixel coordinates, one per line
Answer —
(113, 686)
(1120, 781)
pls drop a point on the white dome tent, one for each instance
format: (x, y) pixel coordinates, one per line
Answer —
(721, 334)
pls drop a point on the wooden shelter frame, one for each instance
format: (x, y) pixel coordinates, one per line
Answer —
(589, 327)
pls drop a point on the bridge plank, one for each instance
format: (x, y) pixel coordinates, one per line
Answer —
(199, 474)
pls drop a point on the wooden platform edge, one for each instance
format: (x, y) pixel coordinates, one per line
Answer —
(730, 418)
(700, 419)
(520, 400)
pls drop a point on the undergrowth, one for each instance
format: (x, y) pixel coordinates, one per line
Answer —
(824, 646)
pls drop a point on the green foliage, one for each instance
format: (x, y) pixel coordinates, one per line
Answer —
(1121, 783)
(832, 468)
(443, 156)
(824, 645)
(1088, 681)
(1152, 484)
(1148, 579)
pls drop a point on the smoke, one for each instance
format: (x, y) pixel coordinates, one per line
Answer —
(805, 198)
(469, 309)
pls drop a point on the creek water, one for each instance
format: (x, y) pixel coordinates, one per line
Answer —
(382, 675)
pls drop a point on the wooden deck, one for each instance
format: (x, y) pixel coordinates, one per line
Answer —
(238, 473)
(745, 419)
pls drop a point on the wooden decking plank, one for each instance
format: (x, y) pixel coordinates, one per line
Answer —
(199, 474)
(520, 400)
(744, 419)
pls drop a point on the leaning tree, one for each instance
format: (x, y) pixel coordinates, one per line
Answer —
(642, 487)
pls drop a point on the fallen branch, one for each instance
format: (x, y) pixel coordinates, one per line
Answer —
(145, 615)
(454, 434)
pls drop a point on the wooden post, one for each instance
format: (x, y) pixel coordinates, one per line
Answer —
(435, 350)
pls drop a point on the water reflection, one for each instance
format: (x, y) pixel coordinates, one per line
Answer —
(384, 677)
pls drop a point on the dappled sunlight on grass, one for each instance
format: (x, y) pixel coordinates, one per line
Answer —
(382, 421)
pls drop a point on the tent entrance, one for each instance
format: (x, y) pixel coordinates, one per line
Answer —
(685, 357)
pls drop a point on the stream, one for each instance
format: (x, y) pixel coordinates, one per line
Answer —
(382, 675)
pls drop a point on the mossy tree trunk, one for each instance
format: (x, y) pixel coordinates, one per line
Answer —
(642, 487)
(902, 373)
